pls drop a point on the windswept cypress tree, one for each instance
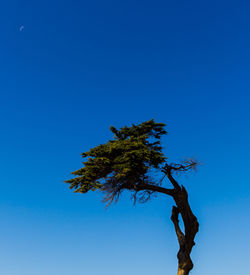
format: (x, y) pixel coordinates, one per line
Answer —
(126, 163)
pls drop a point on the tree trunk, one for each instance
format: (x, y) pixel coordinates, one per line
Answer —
(182, 271)
(191, 225)
(184, 266)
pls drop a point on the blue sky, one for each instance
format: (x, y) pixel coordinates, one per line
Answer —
(77, 67)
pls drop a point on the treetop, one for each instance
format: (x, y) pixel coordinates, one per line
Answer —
(126, 162)
(122, 162)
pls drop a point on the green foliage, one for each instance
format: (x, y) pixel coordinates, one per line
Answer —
(121, 163)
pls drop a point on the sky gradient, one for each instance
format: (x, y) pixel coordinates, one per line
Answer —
(77, 67)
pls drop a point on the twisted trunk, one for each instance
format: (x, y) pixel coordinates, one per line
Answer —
(191, 225)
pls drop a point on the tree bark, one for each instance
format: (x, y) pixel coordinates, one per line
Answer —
(182, 272)
(185, 239)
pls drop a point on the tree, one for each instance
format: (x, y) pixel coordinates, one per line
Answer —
(127, 163)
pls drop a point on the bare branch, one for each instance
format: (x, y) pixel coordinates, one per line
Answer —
(168, 172)
(186, 165)
(113, 189)
(154, 188)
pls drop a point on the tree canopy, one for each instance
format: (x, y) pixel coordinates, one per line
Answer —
(122, 163)
(126, 162)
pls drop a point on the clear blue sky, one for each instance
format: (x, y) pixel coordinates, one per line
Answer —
(77, 67)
